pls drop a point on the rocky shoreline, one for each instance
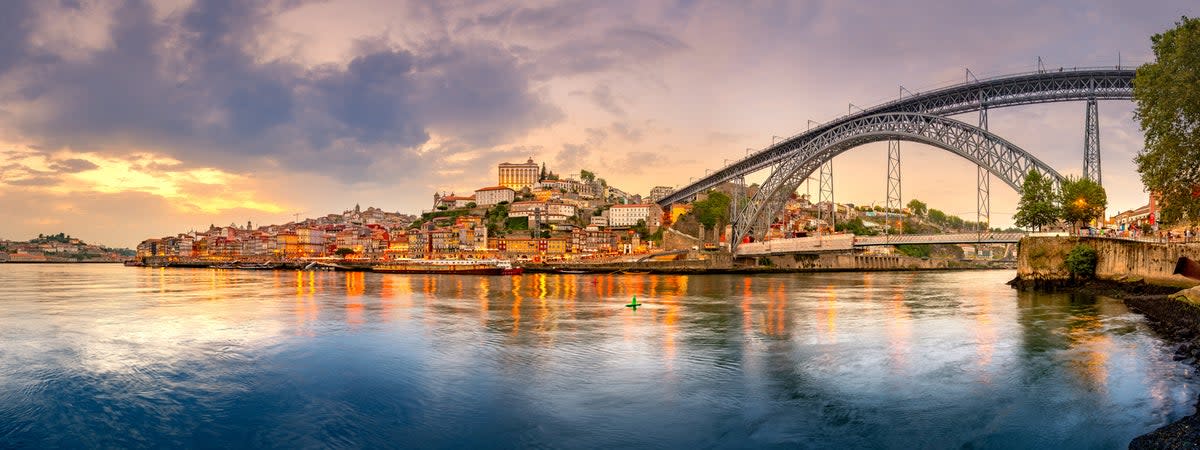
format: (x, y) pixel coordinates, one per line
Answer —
(1176, 321)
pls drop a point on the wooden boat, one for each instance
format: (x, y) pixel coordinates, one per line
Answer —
(450, 266)
(134, 263)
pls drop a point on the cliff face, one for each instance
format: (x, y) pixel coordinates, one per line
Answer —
(1043, 259)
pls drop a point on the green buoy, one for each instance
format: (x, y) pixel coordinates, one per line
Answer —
(634, 304)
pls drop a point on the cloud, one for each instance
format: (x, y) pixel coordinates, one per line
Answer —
(193, 85)
(73, 165)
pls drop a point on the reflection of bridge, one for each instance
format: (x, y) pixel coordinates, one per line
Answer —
(847, 242)
(918, 118)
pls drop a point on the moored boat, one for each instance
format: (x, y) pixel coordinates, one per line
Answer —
(451, 266)
(256, 266)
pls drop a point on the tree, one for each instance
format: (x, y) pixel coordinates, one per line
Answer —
(343, 252)
(1081, 200)
(1081, 261)
(587, 176)
(1036, 208)
(917, 207)
(1167, 93)
(937, 216)
(712, 210)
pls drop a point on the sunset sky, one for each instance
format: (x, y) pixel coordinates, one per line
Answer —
(123, 120)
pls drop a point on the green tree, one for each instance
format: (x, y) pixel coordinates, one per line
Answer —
(587, 176)
(343, 252)
(917, 207)
(855, 226)
(1036, 208)
(937, 216)
(1167, 93)
(1081, 261)
(1081, 200)
(713, 210)
(641, 229)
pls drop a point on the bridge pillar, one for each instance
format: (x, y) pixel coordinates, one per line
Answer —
(1091, 142)
(893, 184)
(827, 213)
(983, 182)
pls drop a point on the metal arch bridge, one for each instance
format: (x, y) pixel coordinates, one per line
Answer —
(1043, 86)
(1003, 159)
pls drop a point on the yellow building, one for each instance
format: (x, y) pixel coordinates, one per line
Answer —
(534, 248)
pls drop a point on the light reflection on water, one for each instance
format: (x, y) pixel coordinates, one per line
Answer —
(115, 356)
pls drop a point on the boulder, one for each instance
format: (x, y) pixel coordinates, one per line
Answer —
(1191, 295)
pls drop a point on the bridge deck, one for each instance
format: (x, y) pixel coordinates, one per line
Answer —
(845, 242)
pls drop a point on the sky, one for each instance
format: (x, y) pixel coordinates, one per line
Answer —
(122, 120)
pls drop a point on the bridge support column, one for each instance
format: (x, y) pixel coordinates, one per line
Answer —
(894, 201)
(828, 210)
(983, 185)
(1091, 142)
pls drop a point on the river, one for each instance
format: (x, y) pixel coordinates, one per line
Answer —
(110, 356)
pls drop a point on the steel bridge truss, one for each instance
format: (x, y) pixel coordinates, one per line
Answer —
(1039, 87)
(1001, 158)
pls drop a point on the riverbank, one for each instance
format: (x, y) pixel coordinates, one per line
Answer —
(1140, 275)
(61, 262)
(1176, 321)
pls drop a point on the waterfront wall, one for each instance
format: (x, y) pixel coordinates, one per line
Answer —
(1044, 258)
(848, 261)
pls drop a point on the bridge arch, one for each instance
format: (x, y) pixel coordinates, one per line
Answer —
(1004, 91)
(1005, 160)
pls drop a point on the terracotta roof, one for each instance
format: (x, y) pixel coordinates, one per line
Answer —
(495, 188)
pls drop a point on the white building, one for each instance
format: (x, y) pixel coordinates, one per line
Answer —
(629, 215)
(489, 196)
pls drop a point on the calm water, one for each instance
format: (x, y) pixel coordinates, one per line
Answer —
(109, 356)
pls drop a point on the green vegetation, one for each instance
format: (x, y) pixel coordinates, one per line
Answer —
(496, 219)
(516, 223)
(45, 239)
(1081, 262)
(713, 210)
(855, 226)
(1036, 208)
(1081, 200)
(917, 207)
(587, 176)
(916, 251)
(343, 252)
(444, 214)
(1167, 93)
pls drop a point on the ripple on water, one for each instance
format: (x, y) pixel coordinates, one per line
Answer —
(120, 357)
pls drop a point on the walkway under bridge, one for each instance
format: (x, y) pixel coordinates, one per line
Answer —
(848, 242)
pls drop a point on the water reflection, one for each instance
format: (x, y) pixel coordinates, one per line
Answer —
(840, 360)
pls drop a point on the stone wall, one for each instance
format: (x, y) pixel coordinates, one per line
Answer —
(1044, 259)
(677, 240)
(847, 261)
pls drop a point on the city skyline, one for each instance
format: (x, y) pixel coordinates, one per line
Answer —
(122, 120)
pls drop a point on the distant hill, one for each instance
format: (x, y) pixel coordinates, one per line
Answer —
(60, 247)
